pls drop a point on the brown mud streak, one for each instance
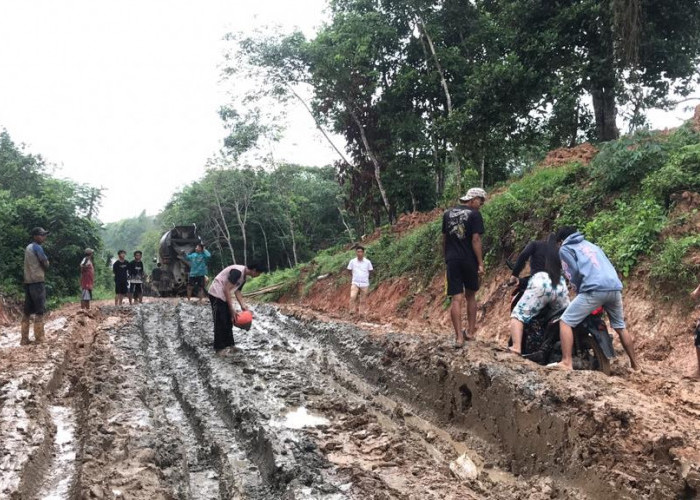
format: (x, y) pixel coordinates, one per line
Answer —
(592, 432)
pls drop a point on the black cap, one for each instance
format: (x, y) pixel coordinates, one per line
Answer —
(39, 231)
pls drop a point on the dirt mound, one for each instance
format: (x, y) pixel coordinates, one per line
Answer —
(404, 224)
(685, 216)
(583, 153)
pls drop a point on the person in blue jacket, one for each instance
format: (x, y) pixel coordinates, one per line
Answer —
(197, 261)
(595, 281)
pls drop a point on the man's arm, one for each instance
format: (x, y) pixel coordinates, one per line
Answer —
(207, 254)
(239, 298)
(476, 245)
(43, 259)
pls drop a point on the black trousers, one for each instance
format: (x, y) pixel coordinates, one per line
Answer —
(223, 323)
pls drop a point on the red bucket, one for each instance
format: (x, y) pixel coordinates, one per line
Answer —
(243, 320)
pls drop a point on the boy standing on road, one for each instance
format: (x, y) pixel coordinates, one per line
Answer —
(462, 227)
(198, 270)
(35, 265)
(594, 279)
(227, 284)
(359, 267)
(120, 268)
(136, 275)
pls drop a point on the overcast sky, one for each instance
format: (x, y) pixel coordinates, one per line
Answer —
(124, 95)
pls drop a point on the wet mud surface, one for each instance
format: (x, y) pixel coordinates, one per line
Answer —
(134, 404)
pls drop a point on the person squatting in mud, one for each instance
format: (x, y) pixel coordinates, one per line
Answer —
(226, 285)
(35, 265)
(87, 278)
(462, 227)
(120, 268)
(360, 268)
(546, 286)
(695, 294)
(136, 274)
(594, 279)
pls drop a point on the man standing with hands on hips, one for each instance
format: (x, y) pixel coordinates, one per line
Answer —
(462, 227)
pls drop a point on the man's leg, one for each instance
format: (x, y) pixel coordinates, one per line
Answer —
(697, 352)
(566, 337)
(362, 298)
(189, 290)
(24, 330)
(354, 292)
(614, 310)
(456, 317)
(471, 313)
(628, 344)
(516, 335)
(39, 328)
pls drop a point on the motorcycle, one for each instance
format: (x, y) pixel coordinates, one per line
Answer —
(593, 347)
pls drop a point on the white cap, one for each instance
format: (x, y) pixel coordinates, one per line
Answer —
(474, 193)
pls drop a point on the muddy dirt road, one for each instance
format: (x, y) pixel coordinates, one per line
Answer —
(133, 404)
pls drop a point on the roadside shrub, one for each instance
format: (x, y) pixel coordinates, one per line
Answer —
(528, 208)
(625, 162)
(670, 265)
(627, 231)
(681, 172)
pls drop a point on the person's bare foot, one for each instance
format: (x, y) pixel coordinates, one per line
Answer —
(514, 351)
(560, 367)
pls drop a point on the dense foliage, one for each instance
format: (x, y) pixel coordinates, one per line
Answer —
(30, 197)
(432, 96)
(279, 217)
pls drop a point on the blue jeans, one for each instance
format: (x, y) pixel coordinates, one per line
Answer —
(587, 302)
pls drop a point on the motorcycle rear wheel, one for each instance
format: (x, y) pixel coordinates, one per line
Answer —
(600, 357)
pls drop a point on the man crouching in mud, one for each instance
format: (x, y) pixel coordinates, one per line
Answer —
(594, 279)
(228, 283)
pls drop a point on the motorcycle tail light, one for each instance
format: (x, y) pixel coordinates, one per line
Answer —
(598, 311)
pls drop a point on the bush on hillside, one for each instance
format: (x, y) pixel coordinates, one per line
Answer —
(627, 231)
(681, 172)
(671, 265)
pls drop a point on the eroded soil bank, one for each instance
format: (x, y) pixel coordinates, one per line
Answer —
(133, 404)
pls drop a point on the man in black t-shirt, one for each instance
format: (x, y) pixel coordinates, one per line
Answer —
(462, 227)
(136, 275)
(120, 268)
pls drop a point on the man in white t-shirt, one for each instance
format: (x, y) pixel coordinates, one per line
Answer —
(360, 269)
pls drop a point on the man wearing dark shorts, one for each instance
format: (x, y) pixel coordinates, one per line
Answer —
(35, 265)
(120, 268)
(136, 275)
(462, 227)
(197, 261)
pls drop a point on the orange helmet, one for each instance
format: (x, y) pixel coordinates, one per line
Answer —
(243, 320)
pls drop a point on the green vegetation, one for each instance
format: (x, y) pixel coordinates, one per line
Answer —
(626, 220)
(30, 197)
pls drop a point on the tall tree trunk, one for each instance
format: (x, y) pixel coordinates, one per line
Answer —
(242, 224)
(318, 125)
(267, 251)
(445, 89)
(414, 203)
(375, 162)
(605, 111)
(294, 240)
(223, 226)
(483, 169)
(347, 228)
